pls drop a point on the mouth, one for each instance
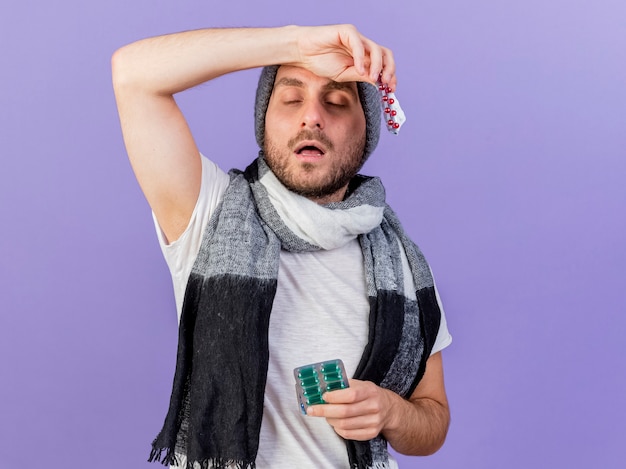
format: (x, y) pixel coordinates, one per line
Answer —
(309, 149)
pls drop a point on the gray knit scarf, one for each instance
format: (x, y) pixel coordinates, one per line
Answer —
(216, 405)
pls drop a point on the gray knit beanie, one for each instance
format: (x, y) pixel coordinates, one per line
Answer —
(368, 95)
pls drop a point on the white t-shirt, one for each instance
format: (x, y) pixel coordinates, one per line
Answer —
(320, 312)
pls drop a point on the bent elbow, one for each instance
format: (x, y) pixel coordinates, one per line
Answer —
(120, 68)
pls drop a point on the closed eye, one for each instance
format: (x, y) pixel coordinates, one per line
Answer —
(337, 98)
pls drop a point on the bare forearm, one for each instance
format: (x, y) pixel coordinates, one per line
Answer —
(417, 427)
(169, 64)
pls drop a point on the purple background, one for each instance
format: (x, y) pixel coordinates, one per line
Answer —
(509, 174)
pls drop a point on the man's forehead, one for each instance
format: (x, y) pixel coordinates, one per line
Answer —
(301, 78)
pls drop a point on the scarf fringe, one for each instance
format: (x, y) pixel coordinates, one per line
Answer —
(376, 465)
(170, 458)
(219, 463)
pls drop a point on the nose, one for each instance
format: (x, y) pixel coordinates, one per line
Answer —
(312, 115)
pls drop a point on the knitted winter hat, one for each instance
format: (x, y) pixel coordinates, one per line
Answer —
(368, 95)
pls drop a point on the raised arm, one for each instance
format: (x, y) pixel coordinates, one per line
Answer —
(148, 73)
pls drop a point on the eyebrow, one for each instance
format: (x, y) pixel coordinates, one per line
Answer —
(286, 81)
(330, 85)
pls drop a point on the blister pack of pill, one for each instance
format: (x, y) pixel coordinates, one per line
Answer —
(393, 115)
(317, 378)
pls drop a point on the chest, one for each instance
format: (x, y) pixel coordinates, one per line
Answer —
(320, 311)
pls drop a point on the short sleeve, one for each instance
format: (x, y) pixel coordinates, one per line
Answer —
(443, 335)
(180, 255)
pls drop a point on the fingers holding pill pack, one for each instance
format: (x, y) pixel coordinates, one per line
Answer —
(317, 378)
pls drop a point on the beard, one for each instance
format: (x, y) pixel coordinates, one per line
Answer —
(301, 178)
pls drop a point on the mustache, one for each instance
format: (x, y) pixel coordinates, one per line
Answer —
(307, 134)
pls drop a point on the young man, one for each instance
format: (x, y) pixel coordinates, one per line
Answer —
(294, 261)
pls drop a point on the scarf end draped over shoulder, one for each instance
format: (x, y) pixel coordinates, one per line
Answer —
(216, 407)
